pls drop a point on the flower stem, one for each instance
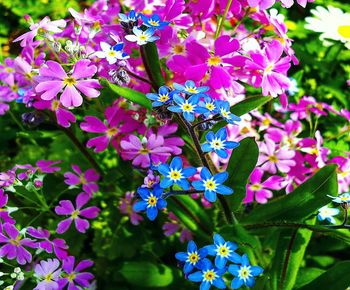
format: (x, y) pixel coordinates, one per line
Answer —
(215, 118)
(138, 77)
(222, 19)
(180, 192)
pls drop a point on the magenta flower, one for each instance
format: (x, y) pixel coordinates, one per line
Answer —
(151, 149)
(78, 215)
(150, 180)
(74, 276)
(171, 141)
(271, 158)
(261, 191)
(313, 146)
(14, 245)
(54, 80)
(7, 178)
(48, 273)
(87, 179)
(47, 166)
(4, 214)
(173, 226)
(343, 172)
(273, 68)
(118, 122)
(58, 246)
(44, 26)
(261, 4)
(126, 207)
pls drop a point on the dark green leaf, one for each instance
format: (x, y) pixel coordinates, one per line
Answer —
(249, 104)
(302, 202)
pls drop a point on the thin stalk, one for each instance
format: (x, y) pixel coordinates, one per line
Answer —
(215, 118)
(181, 192)
(83, 150)
(138, 77)
(13, 117)
(222, 19)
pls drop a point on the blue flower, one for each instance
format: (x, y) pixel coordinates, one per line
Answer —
(175, 174)
(212, 184)
(210, 105)
(141, 37)
(244, 273)
(152, 201)
(327, 213)
(208, 276)
(164, 96)
(193, 258)
(154, 22)
(190, 88)
(187, 107)
(342, 198)
(223, 251)
(225, 113)
(131, 17)
(217, 143)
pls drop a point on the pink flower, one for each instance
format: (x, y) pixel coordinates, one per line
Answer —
(14, 245)
(260, 191)
(53, 79)
(272, 67)
(173, 226)
(119, 122)
(87, 179)
(314, 148)
(343, 172)
(261, 4)
(271, 158)
(151, 149)
(46, 166)
(58, 246)
(289, 3)
(4, 214)
(78, 215)
(126, 207)
(44, 26)
(7, 178)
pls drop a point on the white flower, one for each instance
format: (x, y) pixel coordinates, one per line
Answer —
(327, 213)
(332, 24)
(111, 53)
(141, 37)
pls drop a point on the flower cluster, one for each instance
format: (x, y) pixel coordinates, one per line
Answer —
(198, 268)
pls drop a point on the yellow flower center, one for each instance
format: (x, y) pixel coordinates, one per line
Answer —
(223, 251)
(69, 81)
(193, 258)
(111, 132)
(16, 241)
(83, 179)
(178, 49)
(175, 175)
(273, 158)
(214, 61)
(192, 90)
(144, 151)
(143, 37)
(75, 214)
(48, 277)
(210, 184)
(112, 53)
(14, 88)
(255, 186)
(210, 106)
(153, 23)
(344, 198)
(266, 122)
(187, 108)
(217, 144)
(163, 98)
(344, 31)
(71, 277)
(209, 275)
(55, 105)
(244, 273)
(152, 200)
(269, 68)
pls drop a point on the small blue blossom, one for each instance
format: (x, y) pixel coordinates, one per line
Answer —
(164, 96)
(244, 273)
(131, 17)
(342, 198)
(154, 22)
(327, 213)
(193, 258)
(190, 88)
(151, 202)
(210, 105)
(187, 107)
(142, 37)
(223, 252)
(225, 113)
(212, 184)
(176, 174)
(218, 143)
(208, 276)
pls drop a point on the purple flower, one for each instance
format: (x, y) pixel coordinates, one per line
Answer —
(88, 179)
(48, 273)
(57, 245)
(73, 274)
(53, 79)
(273, 79)
(260, 191)
(271, 158)
(14, 245)
(126, 207)
(4, 214)
(150, 180)
(66, 208)
(151, 149)
(7, 178)
(46, 166)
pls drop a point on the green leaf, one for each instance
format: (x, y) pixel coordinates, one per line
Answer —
(145, 274)
(302, 202)
(306, 275)
(249, 104)
(336, 278)
(128, 93)
(150, 58)
(241, 164)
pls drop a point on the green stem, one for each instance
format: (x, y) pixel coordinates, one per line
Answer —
(14, 118)
(222, 19)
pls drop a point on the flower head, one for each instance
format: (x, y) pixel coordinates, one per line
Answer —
(164, 96)
(218, 143)
(48, 273)
(188, 107)
(151, 202)
(223, 251)
(190, 88)
(212, 184)
(327, 213)
(131, 17)
(112, 53)
(126, 206)
(342, 198)
(154, 22)
(76, 214)
(225, 113)
(176, 174)
(193, 258)
(142, 37)
(244, 273)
